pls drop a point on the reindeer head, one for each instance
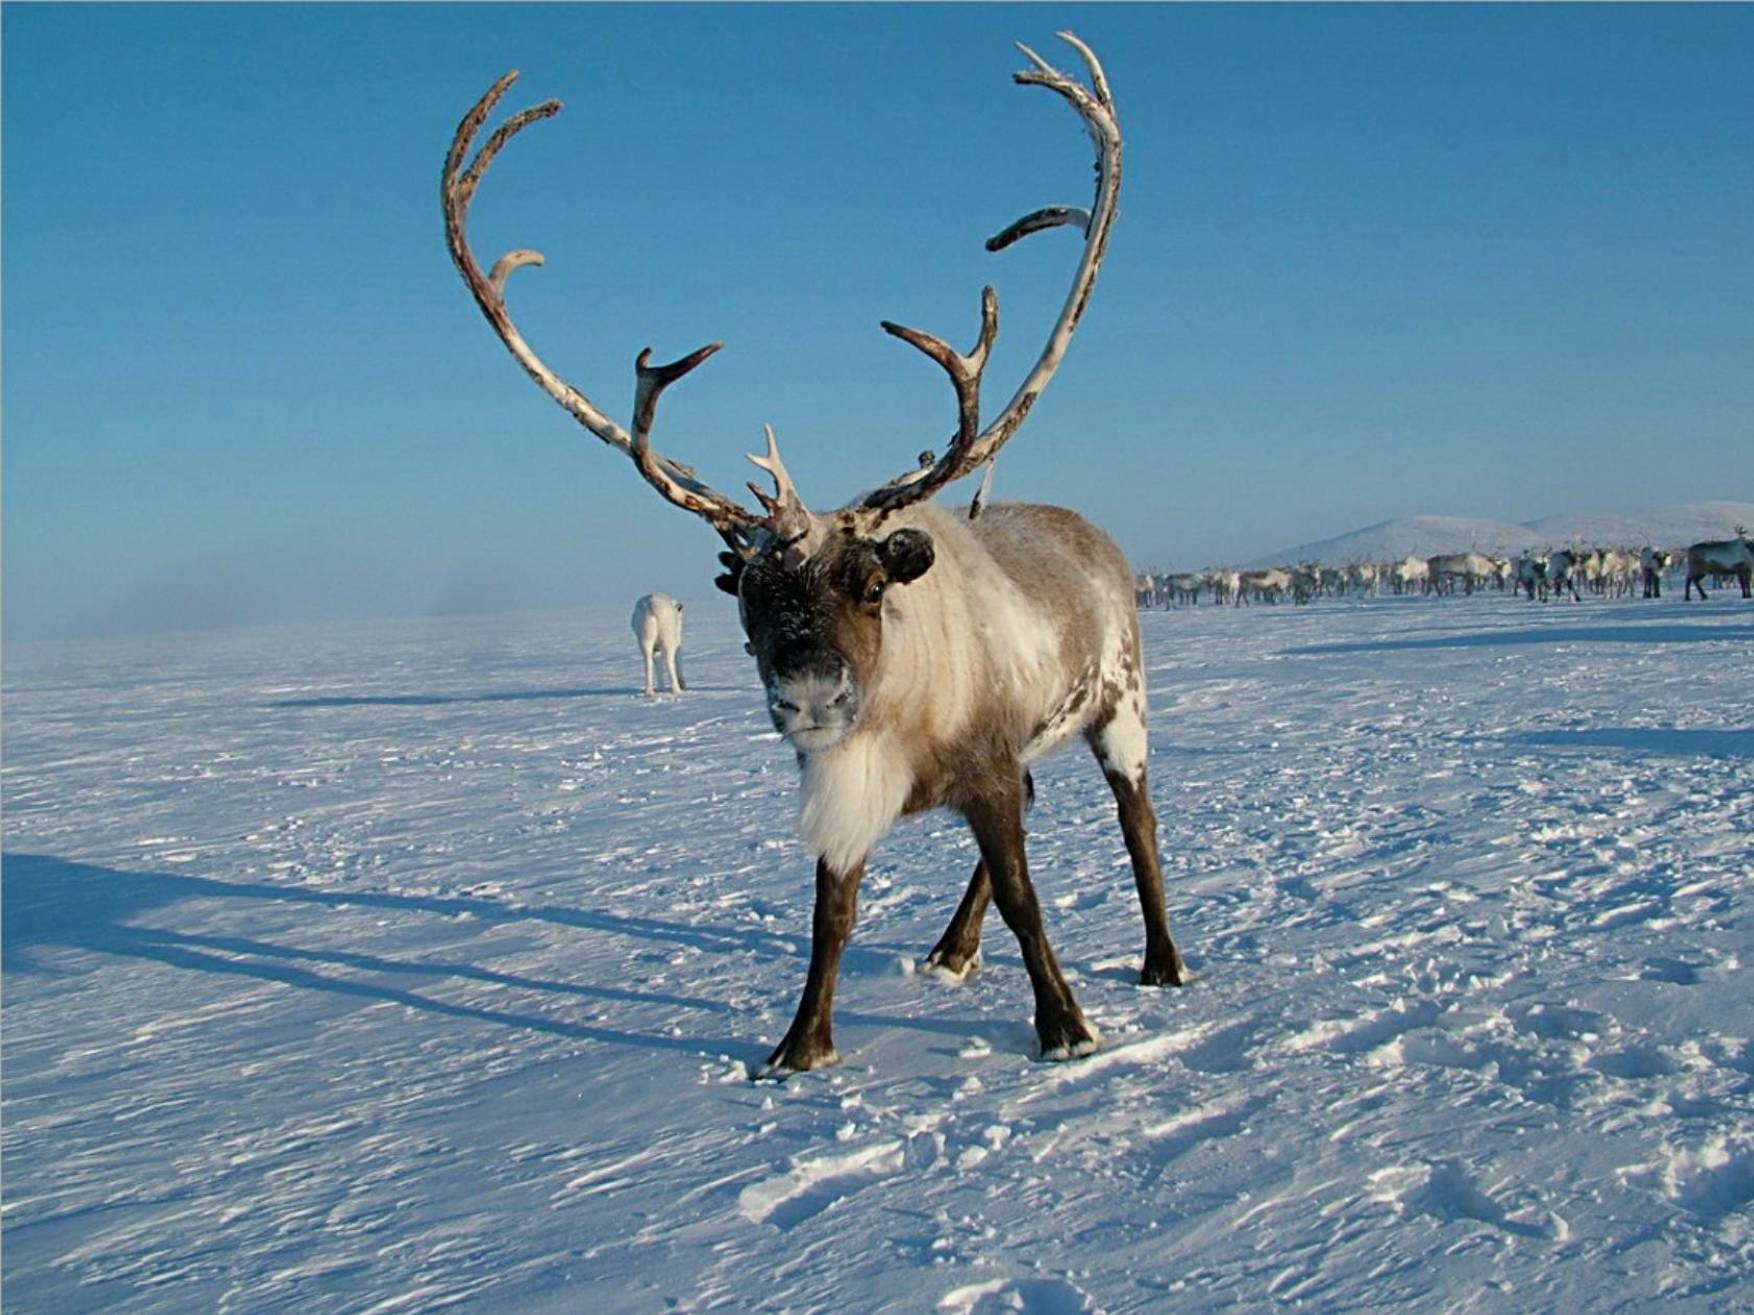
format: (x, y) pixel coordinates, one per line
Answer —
(811, 588)
(816, 628)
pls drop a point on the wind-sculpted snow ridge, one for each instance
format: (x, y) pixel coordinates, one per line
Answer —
(423, 966)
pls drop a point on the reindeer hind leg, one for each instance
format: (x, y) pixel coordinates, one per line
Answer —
(1121, 747)
(958, 951)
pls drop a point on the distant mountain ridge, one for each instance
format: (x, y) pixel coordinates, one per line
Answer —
(1425, 536)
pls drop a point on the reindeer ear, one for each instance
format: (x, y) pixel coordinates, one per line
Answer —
(907, 555)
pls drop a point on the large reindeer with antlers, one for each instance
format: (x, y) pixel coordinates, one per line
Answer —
(913, 657)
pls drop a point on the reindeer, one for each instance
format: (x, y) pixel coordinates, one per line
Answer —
(1652, 562)
(657, 623)
(1588, 568)
(1184, 587)
(1530, 571)
(1719, 557)
(1409, 573)
(1269, 586)
(1471, 568)
(1562, 571)
(1145, 590)
(913, 657)
(1619, 565)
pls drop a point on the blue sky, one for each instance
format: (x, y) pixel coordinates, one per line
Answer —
(1372, 261)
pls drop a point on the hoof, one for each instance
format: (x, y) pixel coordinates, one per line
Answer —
(1076, 1050)
(952, 968)
(789, 1059)
(1164, 969)
(1072, 1040)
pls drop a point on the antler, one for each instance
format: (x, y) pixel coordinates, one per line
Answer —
(676, 481)
(972, 446)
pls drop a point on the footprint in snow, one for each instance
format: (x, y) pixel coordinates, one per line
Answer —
(1024, 1296)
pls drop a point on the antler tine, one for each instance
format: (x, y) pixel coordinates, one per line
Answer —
(1053, 216)
(964, 371)
(457, 186)
(677, 482)
(776, 468)
(1098, 79)
(786, 513)
(1095, 106)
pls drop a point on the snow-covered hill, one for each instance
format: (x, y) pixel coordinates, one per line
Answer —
(414, 967)
(1424, 536)
(1421, 536)
(1663, 527)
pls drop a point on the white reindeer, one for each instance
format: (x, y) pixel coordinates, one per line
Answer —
(657, 624)
(1619, 565)
(1588, 568)
(1410, 573)
(914, 657)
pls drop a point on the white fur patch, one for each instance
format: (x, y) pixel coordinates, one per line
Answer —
(851, 795)
(1060, 1054)
(1124, 743)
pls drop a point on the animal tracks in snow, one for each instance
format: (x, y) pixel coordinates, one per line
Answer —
(1449, 1193)
(1026, 1296)
(817, 1184)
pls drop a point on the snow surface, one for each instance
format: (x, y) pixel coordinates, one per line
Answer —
(422, 966)
(1425, 536)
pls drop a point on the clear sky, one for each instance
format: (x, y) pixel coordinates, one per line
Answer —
(1372, 261)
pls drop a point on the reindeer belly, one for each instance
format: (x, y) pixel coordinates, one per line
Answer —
(1070, 714)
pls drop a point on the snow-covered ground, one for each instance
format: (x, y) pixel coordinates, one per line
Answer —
(421, 965)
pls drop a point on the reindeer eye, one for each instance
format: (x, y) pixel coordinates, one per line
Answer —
(874, 591)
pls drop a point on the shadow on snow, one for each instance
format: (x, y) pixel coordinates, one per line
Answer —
(53, 903)
(1603, 634)
(50, 902)
(502, 696)
(1662, 741)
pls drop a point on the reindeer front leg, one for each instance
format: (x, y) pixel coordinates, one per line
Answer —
(809, 1042)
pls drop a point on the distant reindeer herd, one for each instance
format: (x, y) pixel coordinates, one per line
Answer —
(1560, 573)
